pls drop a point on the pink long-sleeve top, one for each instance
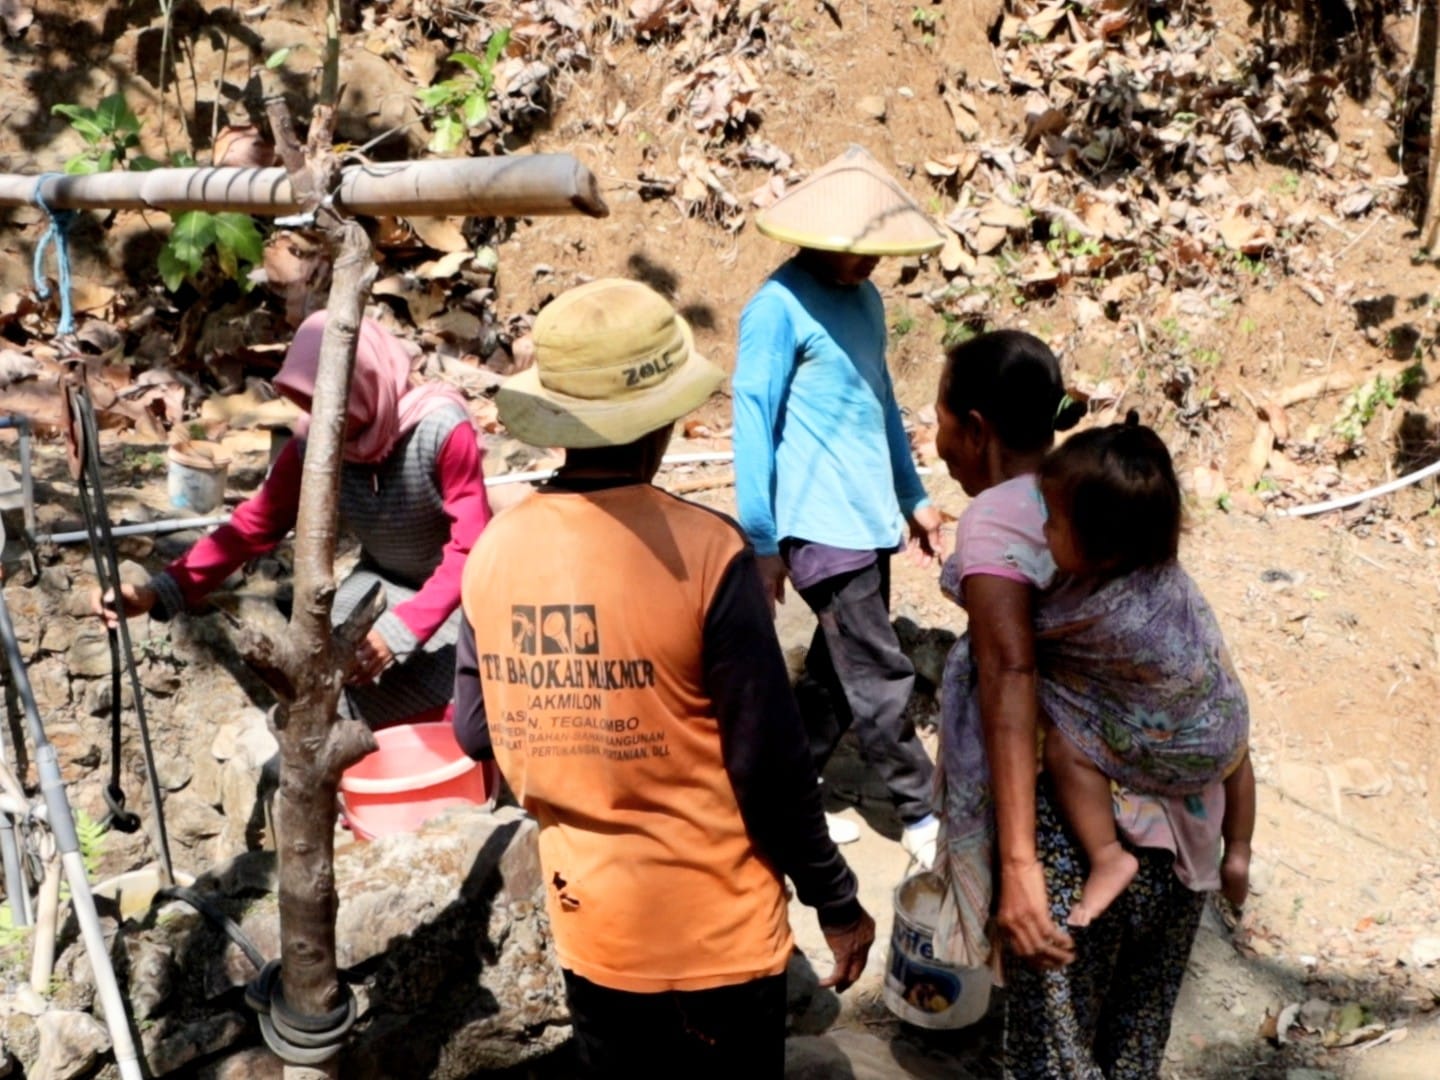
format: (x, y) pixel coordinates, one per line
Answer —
(416, 514)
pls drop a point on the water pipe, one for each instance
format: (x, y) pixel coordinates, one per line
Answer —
(61, 822)
(147, 528)
(1343, 501)
(27, 482)
(152, 528)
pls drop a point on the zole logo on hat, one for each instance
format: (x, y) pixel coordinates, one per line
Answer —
(613, 362)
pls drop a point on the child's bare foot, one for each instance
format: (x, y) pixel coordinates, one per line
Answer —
(1110, 874)
(1235, 874)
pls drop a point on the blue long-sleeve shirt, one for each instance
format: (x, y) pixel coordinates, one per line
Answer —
(820, 448)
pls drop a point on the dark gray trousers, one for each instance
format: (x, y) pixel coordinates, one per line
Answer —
(856, 673)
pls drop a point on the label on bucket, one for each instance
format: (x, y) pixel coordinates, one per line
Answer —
(922, 986)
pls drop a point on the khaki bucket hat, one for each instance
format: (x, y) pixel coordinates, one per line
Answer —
(613, 362)
(851, 204)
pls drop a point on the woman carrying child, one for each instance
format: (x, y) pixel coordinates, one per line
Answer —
(1115, 657)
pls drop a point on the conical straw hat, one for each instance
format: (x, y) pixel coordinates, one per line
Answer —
(851, 204)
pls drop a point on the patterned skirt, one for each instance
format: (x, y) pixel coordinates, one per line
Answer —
(1107, 1015)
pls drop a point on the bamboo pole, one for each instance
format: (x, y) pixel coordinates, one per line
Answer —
(493, 186)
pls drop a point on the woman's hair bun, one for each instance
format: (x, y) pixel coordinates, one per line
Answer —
(1132, 418)
(1069, 413)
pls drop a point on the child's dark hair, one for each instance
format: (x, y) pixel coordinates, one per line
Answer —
(1012, 379)
(1117, 487)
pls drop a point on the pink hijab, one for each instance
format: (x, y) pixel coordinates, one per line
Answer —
(383, 404)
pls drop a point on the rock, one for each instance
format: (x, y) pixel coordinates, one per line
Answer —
(75, 748)
(190, 1042)
(872, 107)
(1424, 952)
(159, 678)
(89, 656)
(928, 648)
(55, 580)
(174, 766)
(252, 1064)
(150, 975)
(70, 1043)
(100, 694)
(1315, 1014)
(58, 634)
(192, 820)
(450, 929)
(205, 778)
(50, 680)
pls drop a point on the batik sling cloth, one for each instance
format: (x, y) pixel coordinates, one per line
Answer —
(1136, 675)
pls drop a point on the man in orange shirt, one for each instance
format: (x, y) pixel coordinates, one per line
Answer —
(620, 665)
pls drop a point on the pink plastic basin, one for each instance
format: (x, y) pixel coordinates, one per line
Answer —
(418, 772)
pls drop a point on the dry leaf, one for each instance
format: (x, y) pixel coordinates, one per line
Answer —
(439, 234)
(243, 147)
(1003, 216)
(445, 267)
(987, 238)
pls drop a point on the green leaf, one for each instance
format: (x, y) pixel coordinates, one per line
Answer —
(182, 160)
(496, 46)
(449, 133)
(192, 236)
(236, 234)
(433, 97)
(229, 265)
(113, 115)
(173, 270)
(277, 59)
(81, 165)
(106, 162)
(475, 110)
(144, 164)
(471, 62)
(83, 121)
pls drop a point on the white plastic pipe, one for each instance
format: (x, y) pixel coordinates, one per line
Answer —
(1342, 501)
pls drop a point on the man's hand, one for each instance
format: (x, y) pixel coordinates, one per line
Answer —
(137, 600)
(1024, 917)
(851, 946)
(372, 656)
(925, 544)
(772, 578)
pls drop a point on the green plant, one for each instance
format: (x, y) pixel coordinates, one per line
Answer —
(110, 131)
(1361, 405)
(904, 323)
(10, 934)
(459, 104)
(1069, 242)
(924, 18)
(233, 237)
(91, 834)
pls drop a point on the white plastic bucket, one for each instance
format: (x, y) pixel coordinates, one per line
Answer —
(919, 989)
(197, 477)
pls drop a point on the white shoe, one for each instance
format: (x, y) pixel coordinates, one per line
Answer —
(841, 830)
(919, 840)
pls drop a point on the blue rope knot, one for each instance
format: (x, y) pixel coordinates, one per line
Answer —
(58, 234)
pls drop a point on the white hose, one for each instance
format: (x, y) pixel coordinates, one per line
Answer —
(117, 1018)
(1341, 502)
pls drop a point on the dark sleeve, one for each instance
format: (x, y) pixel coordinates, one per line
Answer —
(471, 730)
(767, 755)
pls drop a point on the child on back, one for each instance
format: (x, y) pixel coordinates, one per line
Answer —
(1113, 509)
(1068, 655)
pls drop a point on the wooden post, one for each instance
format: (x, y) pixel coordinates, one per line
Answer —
(308, 666)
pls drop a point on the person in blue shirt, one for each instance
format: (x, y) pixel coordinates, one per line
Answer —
(826, 486)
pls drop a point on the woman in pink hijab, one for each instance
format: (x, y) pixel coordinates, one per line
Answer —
(411, 491)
